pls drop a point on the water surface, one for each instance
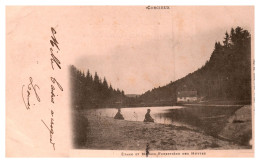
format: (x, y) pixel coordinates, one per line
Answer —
(210, 119)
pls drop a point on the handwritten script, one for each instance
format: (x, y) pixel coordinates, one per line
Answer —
(30, 91)
(54, 49)
(31, 88)
(54, 81)
(50, 129)
(54, 59)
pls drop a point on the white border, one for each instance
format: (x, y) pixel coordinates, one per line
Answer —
(3, 3)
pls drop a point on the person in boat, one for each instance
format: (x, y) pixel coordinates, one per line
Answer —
(119, 115)
(148, 117)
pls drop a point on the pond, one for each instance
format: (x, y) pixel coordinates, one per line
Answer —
(210, 119)
(138, 113)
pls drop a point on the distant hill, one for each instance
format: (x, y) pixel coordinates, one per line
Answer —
(226, 76)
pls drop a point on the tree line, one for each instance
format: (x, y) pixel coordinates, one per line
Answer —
(225, 76)
(88, 91)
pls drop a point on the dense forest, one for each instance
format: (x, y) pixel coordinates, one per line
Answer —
(92, 92)
(225, 76)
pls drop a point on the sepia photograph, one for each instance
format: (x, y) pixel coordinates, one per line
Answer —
(165, 78)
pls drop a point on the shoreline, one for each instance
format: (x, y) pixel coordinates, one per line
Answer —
(108, 133)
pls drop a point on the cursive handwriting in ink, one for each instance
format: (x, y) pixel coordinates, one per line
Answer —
(54, 59)
(54, 49)
(50, 129)
(30, 87)
(53, 88)
(53, 40)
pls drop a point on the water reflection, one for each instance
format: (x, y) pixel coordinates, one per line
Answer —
(210, 119)
(159, 114)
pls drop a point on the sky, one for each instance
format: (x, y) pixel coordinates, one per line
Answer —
(138, 49)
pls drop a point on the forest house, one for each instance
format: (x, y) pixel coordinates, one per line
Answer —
(187, 96)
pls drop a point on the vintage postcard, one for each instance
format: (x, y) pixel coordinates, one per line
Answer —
(130, 81)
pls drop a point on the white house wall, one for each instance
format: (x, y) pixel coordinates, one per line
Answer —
(187, 99)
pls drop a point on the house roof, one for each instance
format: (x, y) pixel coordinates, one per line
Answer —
(187, 94)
